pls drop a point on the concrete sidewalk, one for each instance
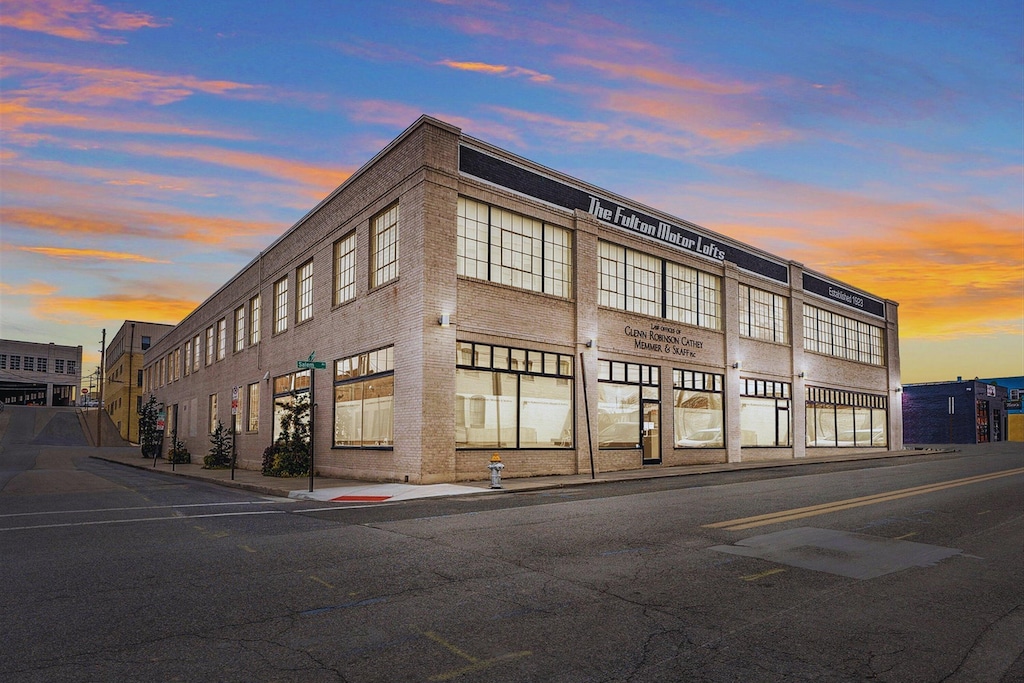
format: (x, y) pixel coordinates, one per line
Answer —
(331, 489)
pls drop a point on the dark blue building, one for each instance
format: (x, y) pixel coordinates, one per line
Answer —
(969, 411)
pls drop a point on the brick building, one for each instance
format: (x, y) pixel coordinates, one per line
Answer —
(467, 301)
(123, 360)
(972, 411)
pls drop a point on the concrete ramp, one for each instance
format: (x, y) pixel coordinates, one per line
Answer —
(43, 426)
(61, 429)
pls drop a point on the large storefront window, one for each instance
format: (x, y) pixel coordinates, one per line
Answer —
(512, 398)
(837, 418)
(621, 389)
(631, 280)
(698, 412)
(504, 247)
(765, 413)
(286, 389)
(364, 399)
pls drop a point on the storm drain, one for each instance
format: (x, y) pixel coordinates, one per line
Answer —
(857, 556)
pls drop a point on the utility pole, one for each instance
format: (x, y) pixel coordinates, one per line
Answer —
(131, 409)
(99, 371)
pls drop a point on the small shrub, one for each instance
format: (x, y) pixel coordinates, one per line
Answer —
(179, 453)
(289, 456)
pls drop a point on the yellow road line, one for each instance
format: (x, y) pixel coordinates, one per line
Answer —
(320, 581)
(834, 506)
(475, 664)
(755, 577)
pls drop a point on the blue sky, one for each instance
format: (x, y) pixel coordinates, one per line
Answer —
(148, 150)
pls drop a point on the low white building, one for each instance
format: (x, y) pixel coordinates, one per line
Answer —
(32, 373)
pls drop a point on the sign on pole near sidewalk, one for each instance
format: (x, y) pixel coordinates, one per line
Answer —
(310, 364)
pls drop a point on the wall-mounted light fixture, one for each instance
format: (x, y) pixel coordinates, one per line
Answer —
(736, 365)
(801, 374)
(446, 319)
(266, 376)
(590, 343)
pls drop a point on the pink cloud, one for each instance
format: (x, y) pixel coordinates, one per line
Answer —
(93, 85)
(498, 70)
(73, 19)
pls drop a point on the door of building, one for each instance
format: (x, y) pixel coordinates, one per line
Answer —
(651, 432)
(997, 424)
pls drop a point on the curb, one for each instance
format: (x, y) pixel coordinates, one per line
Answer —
(524, 484)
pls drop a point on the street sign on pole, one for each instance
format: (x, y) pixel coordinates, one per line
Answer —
(310, 364)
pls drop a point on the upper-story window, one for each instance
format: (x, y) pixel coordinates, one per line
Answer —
(304, 296)
(281, 305)
(239, 328)
(631, 280)
(836, 335)
(384, 239)
(254, 320)
(504, 247)
(345, 269)
(197, 351)
(763, 315)
(222, 338)
(146, 342)
(209, 345)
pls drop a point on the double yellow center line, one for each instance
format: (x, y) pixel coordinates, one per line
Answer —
(812, 510)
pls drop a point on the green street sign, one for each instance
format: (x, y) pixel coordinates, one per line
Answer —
(312, 365)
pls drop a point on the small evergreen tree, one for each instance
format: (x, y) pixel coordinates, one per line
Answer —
(149, 436)
(220, 451)
(289, 456)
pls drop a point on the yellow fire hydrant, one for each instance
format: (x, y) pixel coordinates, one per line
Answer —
(496, 467)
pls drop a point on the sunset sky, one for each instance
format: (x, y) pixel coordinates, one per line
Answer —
(150, 149)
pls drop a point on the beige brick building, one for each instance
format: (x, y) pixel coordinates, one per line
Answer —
(123, 363)
(467, 301)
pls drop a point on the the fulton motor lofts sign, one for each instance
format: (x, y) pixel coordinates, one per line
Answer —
(687, 237)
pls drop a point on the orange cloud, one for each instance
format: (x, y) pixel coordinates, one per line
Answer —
(95, 311)
(18, 114)
(89, 254)
(204, 230)
(498, 70)
(323, 178)
(73, 19)
(100, 85)
(31, 289)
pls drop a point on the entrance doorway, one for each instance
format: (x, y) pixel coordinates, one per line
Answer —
(651, 432)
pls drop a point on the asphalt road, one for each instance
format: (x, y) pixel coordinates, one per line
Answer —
(908, 569)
